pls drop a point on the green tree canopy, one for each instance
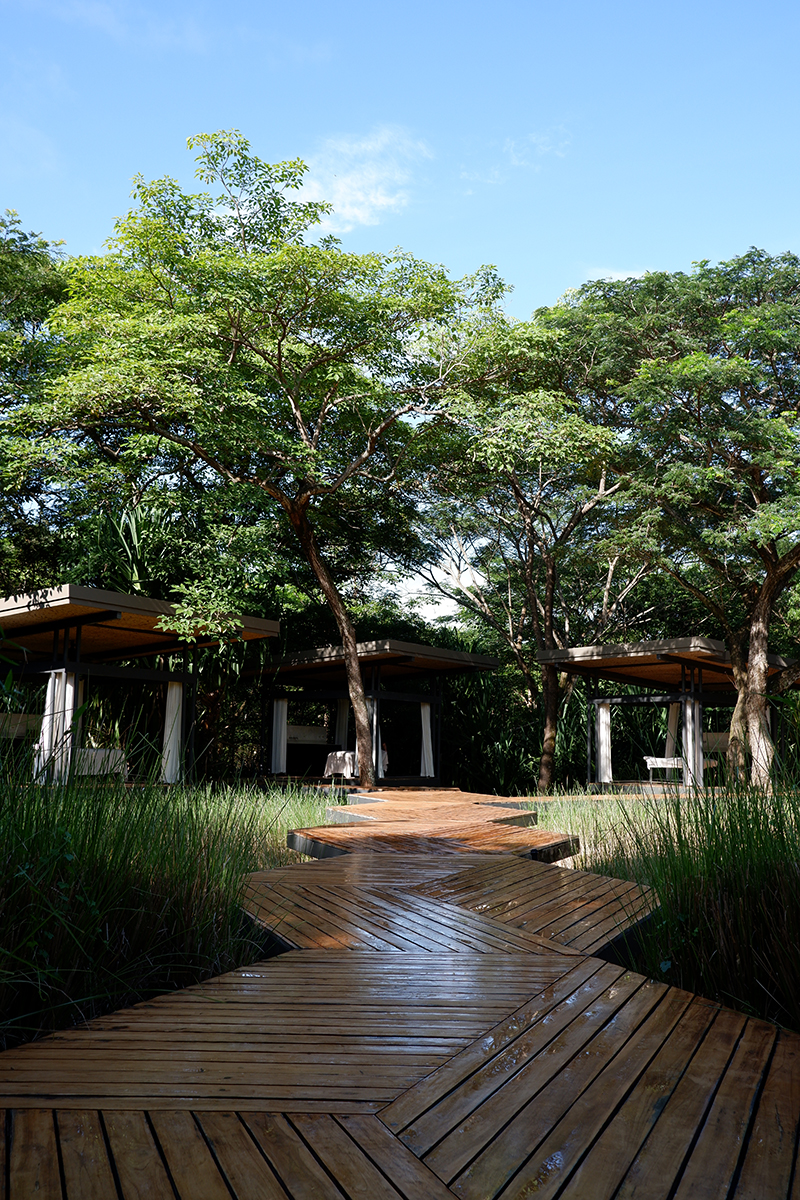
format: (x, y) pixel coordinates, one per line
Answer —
(214, 340)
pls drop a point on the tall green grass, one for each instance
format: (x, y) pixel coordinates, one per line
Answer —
(111, 894)
(725, 869)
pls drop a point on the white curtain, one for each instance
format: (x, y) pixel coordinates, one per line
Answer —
(173, 735)
(54, 749)
(342, 723)
(280, 732)
(375, 729)
(672, 735)
(426, 757)
(603, 728)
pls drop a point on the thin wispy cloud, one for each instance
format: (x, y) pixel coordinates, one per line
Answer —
(530, 150)
(128, 24)
(366, 177)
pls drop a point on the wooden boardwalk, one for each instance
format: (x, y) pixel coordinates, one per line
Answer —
(440, 1026)
(433, 822)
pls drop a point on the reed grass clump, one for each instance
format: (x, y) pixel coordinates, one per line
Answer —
(725, 870)
(110, 894)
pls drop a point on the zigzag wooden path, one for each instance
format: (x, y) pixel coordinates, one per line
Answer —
(440, 1026)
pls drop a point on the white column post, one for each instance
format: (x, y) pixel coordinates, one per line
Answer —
(173, 735)
(280, 733)
(603, 731)
(426, 757)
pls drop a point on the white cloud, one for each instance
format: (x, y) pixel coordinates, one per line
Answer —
(364, 178)
(526, 152)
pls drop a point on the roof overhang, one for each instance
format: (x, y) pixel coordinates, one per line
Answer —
(325, 664)
(661, 664)
(112, 625)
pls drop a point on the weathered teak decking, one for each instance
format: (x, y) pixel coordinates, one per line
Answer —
(440, 1027)
(438, 822)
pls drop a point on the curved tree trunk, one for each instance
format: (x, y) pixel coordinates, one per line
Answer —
(551, 698)
(737, 734)
(762, 750)
(298, 515)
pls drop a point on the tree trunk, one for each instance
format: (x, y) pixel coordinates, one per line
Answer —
(737, 734)
(298, 515)
(762, 750)
(550, 695)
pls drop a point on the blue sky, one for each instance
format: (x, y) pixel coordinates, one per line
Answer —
(560, 142)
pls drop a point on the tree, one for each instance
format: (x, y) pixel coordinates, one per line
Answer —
(527, 502)
(704, 369)
(212, 337)
(31, 285)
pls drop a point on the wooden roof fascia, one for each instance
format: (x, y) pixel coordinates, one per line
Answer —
(604, 673)
(97, 618)
(713, 664)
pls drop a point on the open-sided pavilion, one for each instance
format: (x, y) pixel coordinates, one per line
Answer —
(393, 672)
(74, 636)
(681, 674)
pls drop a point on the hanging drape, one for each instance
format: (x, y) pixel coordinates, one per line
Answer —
(342, 723)
(426, 757)
(173, 735)
(54, 748)
(280, 733)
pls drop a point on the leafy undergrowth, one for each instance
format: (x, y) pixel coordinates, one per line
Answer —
(725, 868)
(110, 895)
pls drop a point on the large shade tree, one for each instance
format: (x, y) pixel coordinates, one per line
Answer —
(704, 371)
(213, 334)
(530, 489)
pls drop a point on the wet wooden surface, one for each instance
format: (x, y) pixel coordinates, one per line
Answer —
(438, 822)
(441, 1025)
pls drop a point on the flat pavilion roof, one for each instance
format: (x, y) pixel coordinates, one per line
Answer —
(113, 625)
(326, 663)
(654, 664)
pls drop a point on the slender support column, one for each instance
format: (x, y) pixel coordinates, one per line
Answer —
(692, 742)
(603, 735)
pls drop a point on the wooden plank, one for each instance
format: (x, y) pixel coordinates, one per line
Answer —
(545, 1171)
(412, 1104)
(33, 1156)
(84, 1158)
(137, 1159)
(294, 1164)
(412, 1179)
(714, 1159)
(355, 1174)
(499, 1063)
(508, 1127)
(191, 1164)
(239, 1157)
(658, 1163)
(769, 1154)
(3, 1155)
(604, 1167)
